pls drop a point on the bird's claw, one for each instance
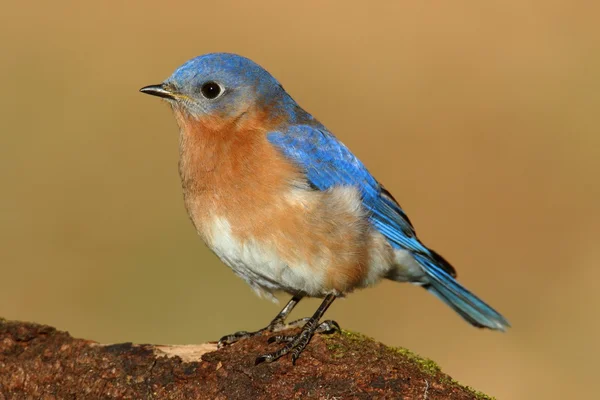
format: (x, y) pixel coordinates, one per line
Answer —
(275, 326)
(264, 358)
(234, 337)
(328, 327)
(297, 343)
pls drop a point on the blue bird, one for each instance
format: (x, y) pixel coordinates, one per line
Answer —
(287, 206)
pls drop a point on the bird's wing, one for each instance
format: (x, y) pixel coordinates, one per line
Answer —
(328, 163)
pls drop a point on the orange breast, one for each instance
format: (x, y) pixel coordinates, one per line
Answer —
(229, 168)
(230, 171)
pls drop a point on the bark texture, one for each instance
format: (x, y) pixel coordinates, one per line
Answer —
(40, 362)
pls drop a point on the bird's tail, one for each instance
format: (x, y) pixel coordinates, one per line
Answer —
(466, 304)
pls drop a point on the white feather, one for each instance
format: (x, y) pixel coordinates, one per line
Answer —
(259, 264)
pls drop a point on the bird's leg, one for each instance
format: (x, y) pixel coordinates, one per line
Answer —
(296, 344)
(277, 324)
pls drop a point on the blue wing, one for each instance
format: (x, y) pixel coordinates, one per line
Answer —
(328, 163)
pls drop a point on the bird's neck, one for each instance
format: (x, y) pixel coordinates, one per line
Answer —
(214, 146)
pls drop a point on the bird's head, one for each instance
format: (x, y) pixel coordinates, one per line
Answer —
(221, 85)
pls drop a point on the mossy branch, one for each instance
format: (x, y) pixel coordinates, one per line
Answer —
(37, 361)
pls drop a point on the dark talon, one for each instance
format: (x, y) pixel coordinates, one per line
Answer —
(293, 343)
(234, 337)
(276, 325)
(264, 358)
(297, 343)
(328, 327)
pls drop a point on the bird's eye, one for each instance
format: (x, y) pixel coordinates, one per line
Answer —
(211, 90)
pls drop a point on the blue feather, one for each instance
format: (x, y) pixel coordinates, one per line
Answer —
(466, 304)
(328, 163)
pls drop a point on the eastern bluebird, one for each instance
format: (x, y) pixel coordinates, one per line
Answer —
(286, 205)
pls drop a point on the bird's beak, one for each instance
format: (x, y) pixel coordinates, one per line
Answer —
(159, 90)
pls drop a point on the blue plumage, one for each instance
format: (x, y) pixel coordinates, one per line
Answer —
(460, 299)
(328, 163)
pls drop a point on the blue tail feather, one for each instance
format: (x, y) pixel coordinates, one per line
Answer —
(466, 304)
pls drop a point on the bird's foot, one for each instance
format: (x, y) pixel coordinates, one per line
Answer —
(234, 337)
(297, 343)
(326, 327)
(276, 325)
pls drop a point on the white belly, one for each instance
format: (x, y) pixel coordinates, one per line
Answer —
(260, 265)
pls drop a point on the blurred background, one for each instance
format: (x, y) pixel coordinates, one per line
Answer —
(481, 119)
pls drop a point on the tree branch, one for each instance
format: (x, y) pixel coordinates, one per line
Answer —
(38, 361)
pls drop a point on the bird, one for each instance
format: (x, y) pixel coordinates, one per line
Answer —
(287, 206)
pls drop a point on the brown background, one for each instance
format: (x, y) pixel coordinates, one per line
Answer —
(480, 117)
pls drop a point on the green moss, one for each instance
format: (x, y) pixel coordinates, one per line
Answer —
(339, 349)
(427, 365)
(478, 395)
(357, 337)
(336, 348)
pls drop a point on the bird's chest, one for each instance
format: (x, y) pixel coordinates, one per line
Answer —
(236, 194)
(232, 191)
